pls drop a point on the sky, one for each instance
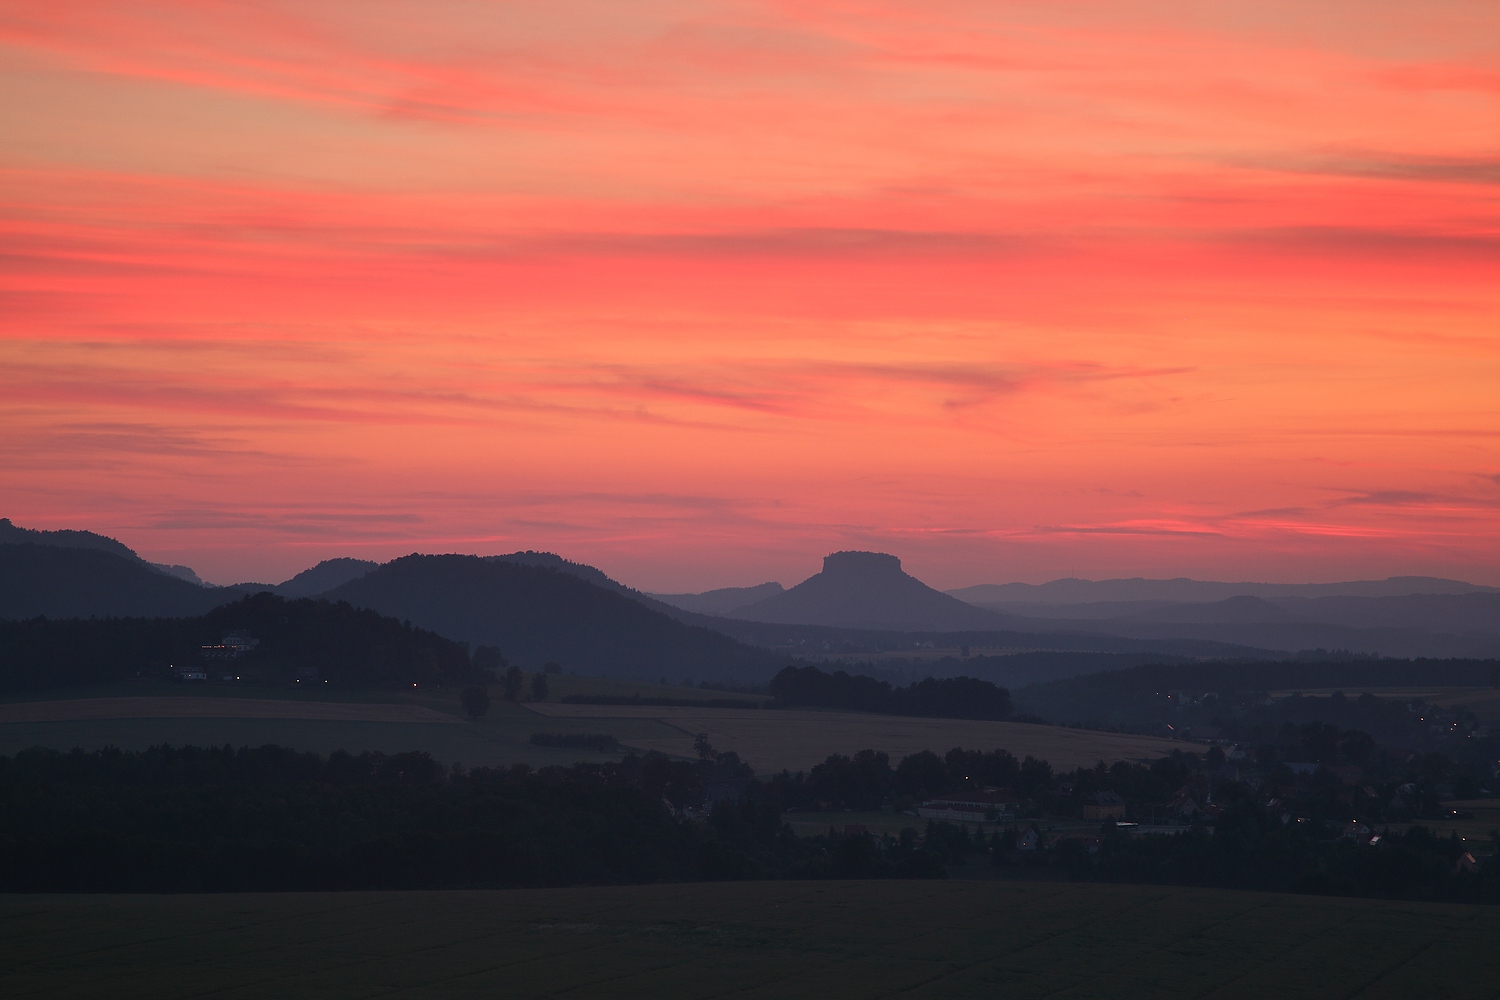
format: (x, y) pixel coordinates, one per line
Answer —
(699, 292)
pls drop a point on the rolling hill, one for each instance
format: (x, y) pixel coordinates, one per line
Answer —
(724, 601)
(69, 582)
(67, 538)
(535, 614)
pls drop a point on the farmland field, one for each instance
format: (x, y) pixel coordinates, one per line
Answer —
(88, 709)
(389, 722)
(775, 739)
(759, 939)
(137, 715)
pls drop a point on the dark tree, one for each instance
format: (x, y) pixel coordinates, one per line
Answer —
(948, 697)
(476, 700)
(487, 660)
(513, 680)
(539, 687)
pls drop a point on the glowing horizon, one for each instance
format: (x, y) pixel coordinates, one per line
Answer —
(698, 293)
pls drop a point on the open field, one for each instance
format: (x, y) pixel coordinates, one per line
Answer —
(136, 716)
(561, 686)
(85, 709)
(758, 939)
(775, 739)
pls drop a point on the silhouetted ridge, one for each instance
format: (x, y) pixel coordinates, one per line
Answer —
(534, 614)
(324, 576)
(725, 600)
(67, 538)
(77, 582)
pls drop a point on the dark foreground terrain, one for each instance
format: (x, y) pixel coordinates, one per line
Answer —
(807, 939)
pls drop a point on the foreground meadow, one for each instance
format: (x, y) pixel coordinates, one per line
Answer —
(797, 939)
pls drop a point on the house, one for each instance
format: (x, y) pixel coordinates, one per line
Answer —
(1183, 808)
(233, 646)
(1026, 840)
(189, 673)
(988, 806)
(1104, 805)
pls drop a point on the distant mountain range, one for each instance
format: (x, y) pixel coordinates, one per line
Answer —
(1401, 616)
(1014, 596)
(534, 607)
(537, 606)
(865, 590)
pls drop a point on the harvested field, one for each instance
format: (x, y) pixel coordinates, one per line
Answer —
(748, 939)
(87, 709)
(772, 740)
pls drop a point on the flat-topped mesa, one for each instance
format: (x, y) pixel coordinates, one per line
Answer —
(861, 564)
(867, 590)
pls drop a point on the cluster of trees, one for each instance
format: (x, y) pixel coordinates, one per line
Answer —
(1250, 847)
(948, 698)
(868, 781)
(221, 819)
(296, 638)
(1232, 699)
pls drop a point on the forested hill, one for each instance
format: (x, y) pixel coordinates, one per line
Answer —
(536, 614)
(312, 640)
(66, 582)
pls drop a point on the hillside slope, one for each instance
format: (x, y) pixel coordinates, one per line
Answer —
(536, 614)
(81, 582)
(67, 538)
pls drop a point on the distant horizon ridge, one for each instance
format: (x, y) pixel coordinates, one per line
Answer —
(846, 560)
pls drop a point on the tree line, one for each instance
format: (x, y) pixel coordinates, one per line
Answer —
(948, 697)
(225, 819)
(194, 819)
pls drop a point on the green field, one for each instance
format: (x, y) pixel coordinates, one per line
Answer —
(764, 939)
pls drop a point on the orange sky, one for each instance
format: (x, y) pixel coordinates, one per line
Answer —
(698, 292)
